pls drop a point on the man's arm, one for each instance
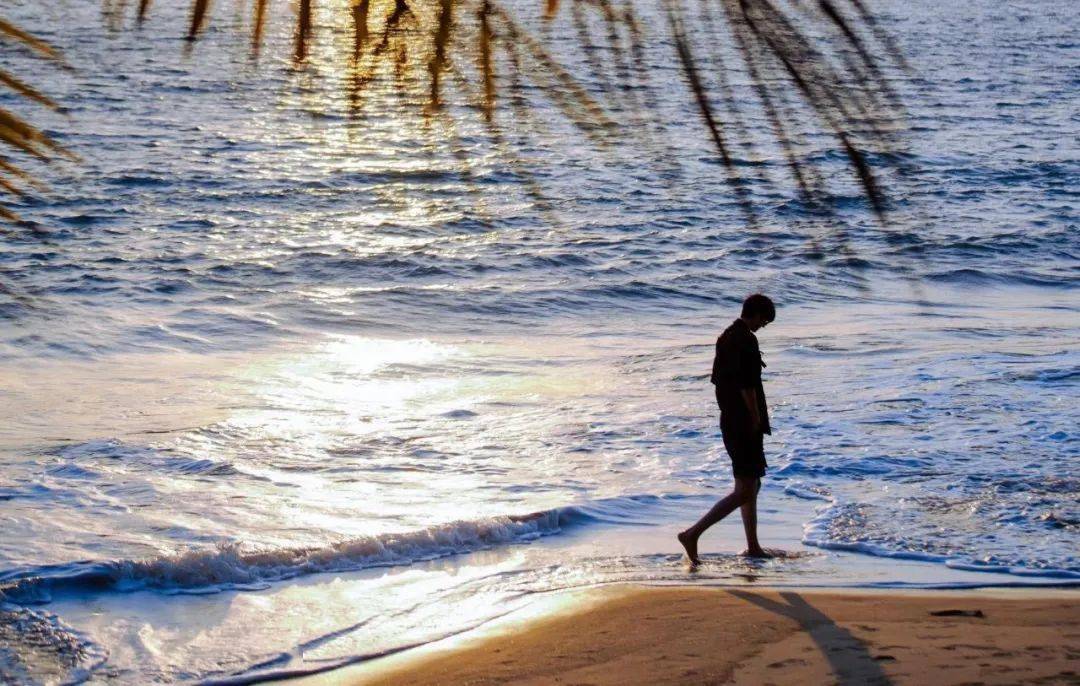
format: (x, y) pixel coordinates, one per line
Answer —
(749, 396)
(748, 374)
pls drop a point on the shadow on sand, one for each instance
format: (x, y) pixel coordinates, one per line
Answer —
(849, 658)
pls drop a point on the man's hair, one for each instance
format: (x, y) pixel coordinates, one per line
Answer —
(759, 304)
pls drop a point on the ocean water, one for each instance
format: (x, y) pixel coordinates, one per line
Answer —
(285, 389)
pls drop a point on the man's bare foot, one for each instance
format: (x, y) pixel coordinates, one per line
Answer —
(758, 553)
(690, 543)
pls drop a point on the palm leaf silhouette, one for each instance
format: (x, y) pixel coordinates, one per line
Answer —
(830, 58)
(20, 136)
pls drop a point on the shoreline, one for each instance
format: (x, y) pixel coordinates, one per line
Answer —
(634, 633)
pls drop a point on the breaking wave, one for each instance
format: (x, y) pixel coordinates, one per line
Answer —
(232, 566)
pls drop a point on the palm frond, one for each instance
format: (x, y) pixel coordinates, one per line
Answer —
(690, 69)
(198, 18)
(17, 133)
(843, 110)
(842, 80)
(830, 58)
(26, 90)
(24, 38)
(487, 71)
(303, 30)
(144, 7)
(258, 26)
(441, 39)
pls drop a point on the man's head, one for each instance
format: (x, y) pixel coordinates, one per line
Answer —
(757, 311)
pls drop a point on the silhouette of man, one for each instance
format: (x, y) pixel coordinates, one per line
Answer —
(744, 419)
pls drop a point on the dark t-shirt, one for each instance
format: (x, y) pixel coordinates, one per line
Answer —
(737, 365)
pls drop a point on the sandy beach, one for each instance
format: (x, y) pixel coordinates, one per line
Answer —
(649, 635)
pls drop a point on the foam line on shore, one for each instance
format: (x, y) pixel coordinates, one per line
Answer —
(816, 533)
(236, 566)
(230, 566)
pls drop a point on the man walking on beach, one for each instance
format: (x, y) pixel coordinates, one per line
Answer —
(744, 420)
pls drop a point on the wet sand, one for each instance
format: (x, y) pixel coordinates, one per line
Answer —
(714, 636)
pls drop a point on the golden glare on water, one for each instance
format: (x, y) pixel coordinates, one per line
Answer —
(368, 433)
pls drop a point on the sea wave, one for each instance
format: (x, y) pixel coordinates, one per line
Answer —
(78, 460)
(234, 565)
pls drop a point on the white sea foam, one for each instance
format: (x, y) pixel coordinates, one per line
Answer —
(799, 490)
(234, 565)
(849, 527)
(38, 647)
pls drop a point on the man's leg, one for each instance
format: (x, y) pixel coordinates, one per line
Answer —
(749, 520)
(743, 489)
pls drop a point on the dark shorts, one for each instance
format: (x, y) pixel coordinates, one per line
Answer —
(746, 449)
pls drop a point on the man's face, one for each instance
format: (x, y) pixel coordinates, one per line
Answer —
(756, 322)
